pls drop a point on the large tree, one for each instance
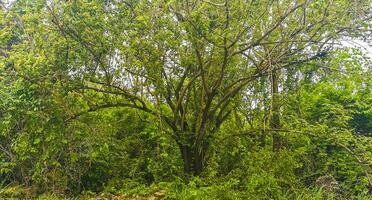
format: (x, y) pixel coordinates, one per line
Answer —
(186, 63)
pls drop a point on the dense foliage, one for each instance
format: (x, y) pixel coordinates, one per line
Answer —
(198, 99)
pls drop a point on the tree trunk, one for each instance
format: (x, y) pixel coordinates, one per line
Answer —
(278, 141)
(187, 159)
(192, 161)
(198, 163)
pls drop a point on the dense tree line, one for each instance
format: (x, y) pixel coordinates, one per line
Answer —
(231, 99)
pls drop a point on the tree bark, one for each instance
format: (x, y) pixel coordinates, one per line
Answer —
(192, 160)
(187, 159)
(278, 140)
(198, 163)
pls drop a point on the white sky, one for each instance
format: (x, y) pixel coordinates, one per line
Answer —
(365, 47)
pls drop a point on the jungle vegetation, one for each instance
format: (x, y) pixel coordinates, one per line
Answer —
(185, 99)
